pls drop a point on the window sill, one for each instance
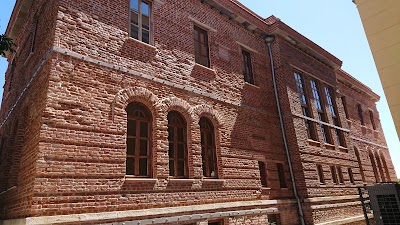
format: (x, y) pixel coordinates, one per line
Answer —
(343, 149)
(205, 68)
(313, 142)
(180, 180)
(329, 146)
(151, 47)
(251, 85)
(140, 179)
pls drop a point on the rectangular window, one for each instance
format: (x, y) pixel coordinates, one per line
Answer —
(360, 114)
(201, 46)
(274, 219)
(344, 102)
(281, 174)
(340, 174)
(320, 172)
(334, 175)
(140, 14)
(305, 107)
(33, 33)
(335, 118)
(248, 70)
(215, 223)
(11, 76)
(263, 173)
(351, 176)
(321, 113)
(371, 117)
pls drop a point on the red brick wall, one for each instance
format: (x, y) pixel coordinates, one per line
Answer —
(73, 147)
(21, 131)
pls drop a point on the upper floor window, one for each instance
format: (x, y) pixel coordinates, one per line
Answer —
(335, 118)
(11, 76)
(321, 113)
(263, 173)
(34, 33)
(281, 175)
(138, 155)
(371, 117)
(321, 176)
(140, 14)
(208, 153)
(360, 114)
(177, 145)
(201, 46)
(305, 106)
(248, 69)
(344, 102)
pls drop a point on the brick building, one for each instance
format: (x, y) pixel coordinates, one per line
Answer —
(179, 112)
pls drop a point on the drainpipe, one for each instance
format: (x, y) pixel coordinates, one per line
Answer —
(269, 39)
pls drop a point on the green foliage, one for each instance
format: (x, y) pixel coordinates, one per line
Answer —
(398, 181)
(6, 45)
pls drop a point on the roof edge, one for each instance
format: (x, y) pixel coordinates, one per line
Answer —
(356, 84)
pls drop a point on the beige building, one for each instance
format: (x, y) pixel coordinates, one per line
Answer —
(381, 20)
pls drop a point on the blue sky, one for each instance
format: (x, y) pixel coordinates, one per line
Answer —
(334, 25)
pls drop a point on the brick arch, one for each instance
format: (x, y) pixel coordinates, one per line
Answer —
(177, 104)
(135, 94)
(385, 167)
(208, 112)
(373, 164)
(380, 167)
(360, 166)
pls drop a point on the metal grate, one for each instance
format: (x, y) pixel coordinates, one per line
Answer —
(389, 208)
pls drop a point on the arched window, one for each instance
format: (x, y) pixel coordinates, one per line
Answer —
(359, 164)
(371, 157)
(138, 151)
(208, 153)
(385, 167)
(383, 178)
(177, 145)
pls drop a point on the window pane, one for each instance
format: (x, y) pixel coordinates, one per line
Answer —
(143, 167)
(181, 168)
(170, 133)
(134, 18)
(131, 128)
(143, 147)
(203, 153)
(205, 169)
(145, 36)
(202, 138)
(204, 50)
(202, 37)
(180, 134)
(135, 4)
(197, 52)
(181, 151)
(145, 22)
(205, 62)
(144, 132)
(130, 166)
(134, 32)
(171, 168)
(131, 146)
(145, 8)
(171, 150)
(196, 34)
